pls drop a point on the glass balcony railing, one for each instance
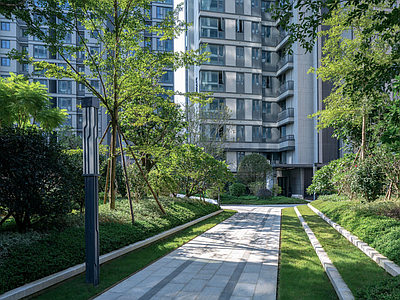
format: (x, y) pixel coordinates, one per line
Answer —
(288, 85)
(285, 138)
(283, 61)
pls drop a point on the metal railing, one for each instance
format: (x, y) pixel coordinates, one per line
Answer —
(285, 114)
(285, 138)
(288, 85)
(283, 61)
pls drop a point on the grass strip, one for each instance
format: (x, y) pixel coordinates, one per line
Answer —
(356, 268)
(120, 268)
(253, 200)
(301, 275)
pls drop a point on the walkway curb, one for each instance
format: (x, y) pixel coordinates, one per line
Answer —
(389, 266)
(46, 282)
(341, 288)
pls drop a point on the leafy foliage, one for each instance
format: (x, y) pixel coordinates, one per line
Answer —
(388, 289)
(252, 168)
(322, 181)
(35, 181)
(256, 186)
(25, 103)
(264, 193)
(237, 189)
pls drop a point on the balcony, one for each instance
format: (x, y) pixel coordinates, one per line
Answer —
(286, 143)
(285, 138)
(284, 61)
(281, 36)
(285, 114)
(287, 86)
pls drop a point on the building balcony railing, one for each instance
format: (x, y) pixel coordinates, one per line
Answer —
(285, 114)
(281, 36)
(288, 85)
(285, 138)
(283, 61)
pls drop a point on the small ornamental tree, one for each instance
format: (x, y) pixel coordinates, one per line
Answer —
(254, 167)
(34, 177)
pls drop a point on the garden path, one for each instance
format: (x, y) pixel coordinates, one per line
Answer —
(237, 259)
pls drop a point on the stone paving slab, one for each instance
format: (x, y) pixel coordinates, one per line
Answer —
(237, 259)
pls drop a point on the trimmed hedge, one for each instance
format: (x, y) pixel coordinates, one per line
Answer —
(388, 289)
(63, 249)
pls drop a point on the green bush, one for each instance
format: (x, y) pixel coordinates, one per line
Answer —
(237, 189)
(256, 186)
(388, 289)
(212, 193)
(276, 190)
(368, 180)
(322, 181)
(35, 181)
(264, 193)
(252, 168)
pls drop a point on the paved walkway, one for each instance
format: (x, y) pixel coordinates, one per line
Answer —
(237, 259)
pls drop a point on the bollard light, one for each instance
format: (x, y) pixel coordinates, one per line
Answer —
(90, 107)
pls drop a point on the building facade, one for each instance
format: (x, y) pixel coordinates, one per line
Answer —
(268, 91)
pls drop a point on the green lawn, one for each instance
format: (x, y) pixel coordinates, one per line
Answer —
(118, 269)
(253, 200)
(301, 275)
(356, 268)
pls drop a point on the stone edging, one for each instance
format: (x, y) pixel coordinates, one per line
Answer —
(46, 282)
(341, 288)
(381, 260)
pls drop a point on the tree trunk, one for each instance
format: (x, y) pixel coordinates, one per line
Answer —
(113, 151)
(363, 136)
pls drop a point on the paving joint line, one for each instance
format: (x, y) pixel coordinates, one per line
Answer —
(341, 288)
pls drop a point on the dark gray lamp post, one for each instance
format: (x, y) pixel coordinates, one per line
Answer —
(90, 108)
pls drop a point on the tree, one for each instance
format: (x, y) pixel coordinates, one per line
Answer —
(254, 167)
(35, 181)
(25, 103)
(350, 109)
(194, 170)
(126, 71)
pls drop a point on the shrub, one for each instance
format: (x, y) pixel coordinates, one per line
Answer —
(137, 184)
(254, 167)
(34, 178)
(75, 167)
(388, 289)
(264, 193)
(212, 193)
(276, 190)
(162, 183)
(322, 181)
(237, 189)
(256, 186)
(368, 180)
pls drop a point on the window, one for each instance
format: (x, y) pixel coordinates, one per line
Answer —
(254, 27)
(266, 107)
(35, 38)
(24, 32)
(265, 5)
(266, 82)
(266, 31)
(239, 26)
(81, 69)
(283, 131)
(168, 77)
(65, 87)
(5, 26)
(256, 105)
(164, 45)
(25, 68)
(216, 105)
(95, 84)
(80, 55)
(66, 55)
(212, 5)
(162, 12)
(212, 27)
(266, 57)
(240, 104)
(94, 34)
(5, 44)
(65, 103)
(68, 121)
(39, 51)
(94, 50)
(255, 53)
(5, 61)
(67, 38)
(63, 65)
(254, 3)
(239, 78)
(267, 134)
(240, 132)
(212, 132)
(81, 87)
(239, 52)
(240, 156)
(217, 54)
(256, 133)
(255, 79)
(212, 81)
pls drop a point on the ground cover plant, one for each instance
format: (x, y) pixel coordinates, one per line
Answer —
(119, 269)
(300, 270)
(254, 200)
(63, 245)
(356, 268)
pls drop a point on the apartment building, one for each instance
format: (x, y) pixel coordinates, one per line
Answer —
(268, 91)
(66, 93)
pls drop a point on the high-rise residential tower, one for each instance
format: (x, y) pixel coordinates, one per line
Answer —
(268, 91)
